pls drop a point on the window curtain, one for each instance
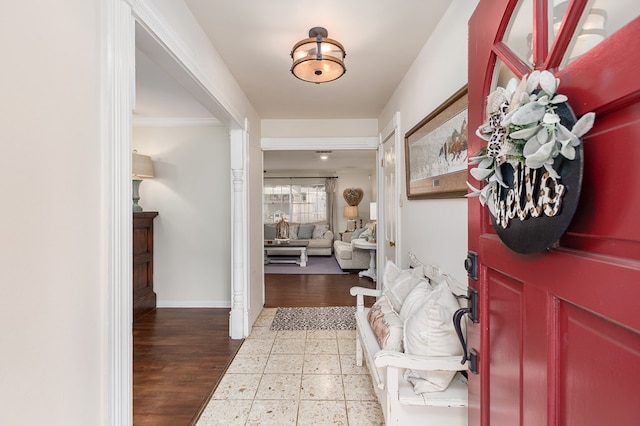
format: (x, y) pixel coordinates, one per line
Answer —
(330, 185)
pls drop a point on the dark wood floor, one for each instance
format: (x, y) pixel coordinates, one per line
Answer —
(180, 354)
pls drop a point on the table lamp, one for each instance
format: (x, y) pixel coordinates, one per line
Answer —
(142, 167)
(350, 212)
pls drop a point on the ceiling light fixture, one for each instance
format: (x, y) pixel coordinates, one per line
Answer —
(318, 59)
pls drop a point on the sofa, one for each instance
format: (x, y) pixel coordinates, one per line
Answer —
(319, 235)
(350, 257)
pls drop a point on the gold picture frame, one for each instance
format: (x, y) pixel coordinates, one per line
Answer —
(436, 151)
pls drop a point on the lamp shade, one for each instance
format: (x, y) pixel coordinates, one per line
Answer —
(350, 211)
(318, 59)
(373, 211)
(142, 166)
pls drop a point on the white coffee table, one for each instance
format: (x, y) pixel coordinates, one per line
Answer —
(276, 246)
(366, 245)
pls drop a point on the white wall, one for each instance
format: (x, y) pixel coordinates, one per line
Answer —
(191, 192)
(435, 230)
(52, 222)
(55, 217)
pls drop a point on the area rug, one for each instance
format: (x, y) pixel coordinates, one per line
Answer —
(315, 265)
(326, 318)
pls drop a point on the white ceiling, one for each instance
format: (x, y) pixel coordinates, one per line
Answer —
(381, 37)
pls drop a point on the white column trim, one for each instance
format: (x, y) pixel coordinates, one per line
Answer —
(118, 89)
(238, 317)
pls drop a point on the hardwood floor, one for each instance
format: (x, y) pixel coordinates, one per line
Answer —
(180, 354)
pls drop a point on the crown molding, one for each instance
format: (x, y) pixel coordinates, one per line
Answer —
(302, 144)
(176, 122)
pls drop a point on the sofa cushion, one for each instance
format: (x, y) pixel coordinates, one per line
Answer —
(386, 325)
(429, 331)
(342, 250)
(305, 231)
(398, 283)
(269, 231)
(319, 230)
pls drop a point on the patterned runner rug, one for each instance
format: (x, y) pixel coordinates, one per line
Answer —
(325, 318)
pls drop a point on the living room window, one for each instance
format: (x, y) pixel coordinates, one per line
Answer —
(302, 203)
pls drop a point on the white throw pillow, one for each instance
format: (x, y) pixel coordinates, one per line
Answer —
(415, 299)
(429, 331)
(386, 325)
(398, 283)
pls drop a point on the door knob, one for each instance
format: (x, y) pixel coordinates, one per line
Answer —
(392, 243)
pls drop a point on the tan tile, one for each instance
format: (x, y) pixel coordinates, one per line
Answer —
(229, 412)
(346, 334)
(321, 334)
(237, 386)
(321, 364)
(292, 334)
(265, 318)
(322, 346)
(358, 387)
(279, 386)
(364, 413)
(288, 346)
(284, 364)
(248, 364)
(322, 386)
(317, 413)
(348, 365)
(273, 412)
(262, 333)
(347, 346)
(255, 347)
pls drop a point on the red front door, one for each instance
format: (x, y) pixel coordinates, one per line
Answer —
(558, 337)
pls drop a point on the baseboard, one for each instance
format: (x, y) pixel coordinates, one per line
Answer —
(194, 304)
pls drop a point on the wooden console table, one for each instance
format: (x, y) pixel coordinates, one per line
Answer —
(144, 298)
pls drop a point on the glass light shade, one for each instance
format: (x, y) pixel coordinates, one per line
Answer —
(350, 211)
(318, 59)
(373, 211)
(142, 166)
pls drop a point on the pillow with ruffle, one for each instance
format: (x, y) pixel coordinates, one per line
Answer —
(398, 283)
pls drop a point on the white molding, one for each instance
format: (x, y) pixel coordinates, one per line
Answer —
(118, 87)
(310, 144)
(189, 61)
(193, 304)
(176, 122)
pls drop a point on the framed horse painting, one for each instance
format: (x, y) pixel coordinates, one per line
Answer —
(436, 151)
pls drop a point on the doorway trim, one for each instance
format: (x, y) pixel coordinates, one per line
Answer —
(118, 88)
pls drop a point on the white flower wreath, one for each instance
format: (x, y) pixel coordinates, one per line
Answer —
(524, 127)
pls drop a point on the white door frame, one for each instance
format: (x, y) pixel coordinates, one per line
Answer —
(118, 88)
(392, 129)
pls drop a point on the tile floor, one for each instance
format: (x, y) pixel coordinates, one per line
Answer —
(294, 378)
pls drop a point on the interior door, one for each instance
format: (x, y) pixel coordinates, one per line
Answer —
(389, 195)
(558, 338)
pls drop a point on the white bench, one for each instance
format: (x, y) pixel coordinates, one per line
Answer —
(400, 405)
